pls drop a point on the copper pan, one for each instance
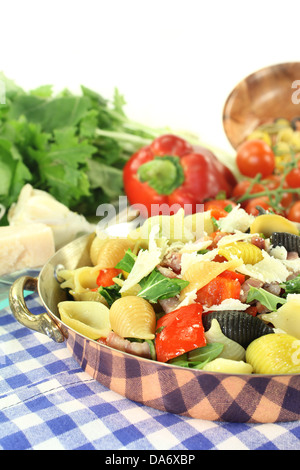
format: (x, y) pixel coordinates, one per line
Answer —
(193, 393)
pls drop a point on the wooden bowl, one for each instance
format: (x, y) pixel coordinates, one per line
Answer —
(270, 93)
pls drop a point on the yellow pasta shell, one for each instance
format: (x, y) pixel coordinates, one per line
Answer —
(200, 274)
(133, 317)
(79, 280)
(228, 366)
(287, 317)
(112, 251)
(89, 318)
(274, 354)
(95, 247)
(200, 223)
(249, 253)
(89, 295)
(270, 223)
(231, 350)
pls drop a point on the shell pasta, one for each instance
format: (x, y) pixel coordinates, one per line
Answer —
(194, 292)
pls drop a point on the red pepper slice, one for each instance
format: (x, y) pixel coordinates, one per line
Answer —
(233, 275)
(221, 288)
(172, 172)
(105, 276)
(178, 332)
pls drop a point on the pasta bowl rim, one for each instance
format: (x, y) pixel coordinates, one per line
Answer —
(100, 345)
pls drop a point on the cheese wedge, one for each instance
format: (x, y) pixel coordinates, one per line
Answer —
(25, 246)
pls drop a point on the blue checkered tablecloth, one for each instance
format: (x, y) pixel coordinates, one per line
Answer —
(48, 402)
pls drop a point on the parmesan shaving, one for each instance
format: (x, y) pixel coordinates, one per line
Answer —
(195, 246)
(237, 219)
(292, 264)
(237, 236)
(190, 298)
(268, 270)
(227, 304)
(146, 261)
(187, 259)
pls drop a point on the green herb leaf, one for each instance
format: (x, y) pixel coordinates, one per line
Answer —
(126, 263)
(158, 287)
(292, 286)
(208, 352)
(197, 358)
(270, 301)
(110, 293)
(57, 113)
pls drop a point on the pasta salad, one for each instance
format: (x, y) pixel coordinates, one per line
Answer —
(221, 295)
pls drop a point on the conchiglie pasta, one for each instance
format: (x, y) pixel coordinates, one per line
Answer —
(111, 252)
(274, 354)
(199, 224)
(96, 245)
(232, 350)
(133, 317)
(228, 366)
(92, 296)
(287, 317)
(88, 318)
(79, 280)
(201, 273)
(172, 227)
(249, 253)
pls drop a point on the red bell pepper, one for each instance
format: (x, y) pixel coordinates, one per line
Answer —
(105, 277)
(170, 171)
(179, 332)
(225, 286)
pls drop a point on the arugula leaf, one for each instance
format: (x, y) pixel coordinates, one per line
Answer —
(127, 262)
(110, 293)
(197, 358)
(155, 286)
(208, 352)
(81, 167)
(65, 111)
(292, 286)
(270, 301)
(108, 178)
(61, 165)
(13, 173)
(158, 287)
(44, 91)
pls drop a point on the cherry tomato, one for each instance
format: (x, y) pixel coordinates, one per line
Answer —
(257, 201)
(286, 200)
(293, 177)
(273, 182)
(241, 188)
(255, 156)
(218, 204)
(294, 212)
(217, 207)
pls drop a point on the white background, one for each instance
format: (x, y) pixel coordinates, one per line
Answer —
(174, 61)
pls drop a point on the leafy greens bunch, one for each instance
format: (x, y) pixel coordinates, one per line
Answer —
(72, 146)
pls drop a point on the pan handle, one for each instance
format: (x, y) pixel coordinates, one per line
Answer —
(42, 323)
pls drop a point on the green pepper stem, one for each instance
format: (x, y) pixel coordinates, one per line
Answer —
(164, 174)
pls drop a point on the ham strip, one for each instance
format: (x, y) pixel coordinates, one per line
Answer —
(137, 349)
